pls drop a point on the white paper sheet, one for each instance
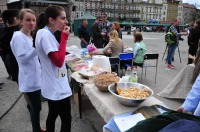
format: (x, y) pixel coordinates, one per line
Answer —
(125, 123)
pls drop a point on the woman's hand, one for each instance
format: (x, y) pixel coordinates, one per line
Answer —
(181, 109)
(109, 51)
(66, 30)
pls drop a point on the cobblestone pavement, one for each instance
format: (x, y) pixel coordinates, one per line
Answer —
(18, 120)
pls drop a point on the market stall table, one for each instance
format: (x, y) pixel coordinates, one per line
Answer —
(105, 103)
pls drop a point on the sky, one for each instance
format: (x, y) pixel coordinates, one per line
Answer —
(192, 1)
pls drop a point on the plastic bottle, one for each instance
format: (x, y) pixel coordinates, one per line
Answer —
(128, 71)
(84, 52)
(133, 78)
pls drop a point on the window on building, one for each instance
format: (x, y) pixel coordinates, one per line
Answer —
(77, 14)
(116, 6)
(93, 5)
(164, 12)
(81, 6)
(112, 6)
(81, 14)
(127, 7)
(93, 13)
(163, 18)
(165, 7)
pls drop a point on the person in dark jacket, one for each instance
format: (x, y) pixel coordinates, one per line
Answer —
(83, 33)
(10, 18)
(105, 27)
(193, 39)
(96, 34)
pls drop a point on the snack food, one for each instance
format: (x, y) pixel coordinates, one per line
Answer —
(95, 68)
(135, 93)
(102, 81)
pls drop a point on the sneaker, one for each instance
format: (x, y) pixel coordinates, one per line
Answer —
(1, 83)
(9, 77)
(172, 66)
(169, 66)
(1, 89)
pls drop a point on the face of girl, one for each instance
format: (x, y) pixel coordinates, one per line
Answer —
(28, 22)
(61, 21)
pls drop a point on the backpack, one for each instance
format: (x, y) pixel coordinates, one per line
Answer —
(170, 38)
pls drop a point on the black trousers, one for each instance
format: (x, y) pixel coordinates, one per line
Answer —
(192, 51)
(63, 109)
(5, 59)
(34, 106)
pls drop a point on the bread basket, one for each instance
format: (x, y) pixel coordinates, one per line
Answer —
(102, 81)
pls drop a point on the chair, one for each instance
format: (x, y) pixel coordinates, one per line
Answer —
(125, 57)
(146, 65)
(114, 62)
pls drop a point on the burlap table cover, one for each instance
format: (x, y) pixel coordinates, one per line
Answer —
(180, 86)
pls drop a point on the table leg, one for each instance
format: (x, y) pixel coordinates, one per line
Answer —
(79, 100)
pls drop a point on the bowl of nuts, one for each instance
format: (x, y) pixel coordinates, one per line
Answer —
(130, 94)
(102, 81)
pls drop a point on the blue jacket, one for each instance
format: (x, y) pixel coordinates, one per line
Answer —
(191, 103)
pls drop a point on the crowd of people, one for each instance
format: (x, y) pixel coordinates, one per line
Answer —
(108, 36)
(34, 48)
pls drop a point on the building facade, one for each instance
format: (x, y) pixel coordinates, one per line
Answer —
(3, 5)
(189, 14)
(129, 10)
(38, 5)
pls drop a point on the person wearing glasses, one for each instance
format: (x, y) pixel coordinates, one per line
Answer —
(105, 27)
(96, 32)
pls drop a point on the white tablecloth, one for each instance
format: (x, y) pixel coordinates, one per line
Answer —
(180, 86)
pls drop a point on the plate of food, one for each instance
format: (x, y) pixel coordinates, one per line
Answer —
(91, 72)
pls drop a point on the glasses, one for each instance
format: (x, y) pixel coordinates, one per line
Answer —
(104, 16)
(100, 20)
